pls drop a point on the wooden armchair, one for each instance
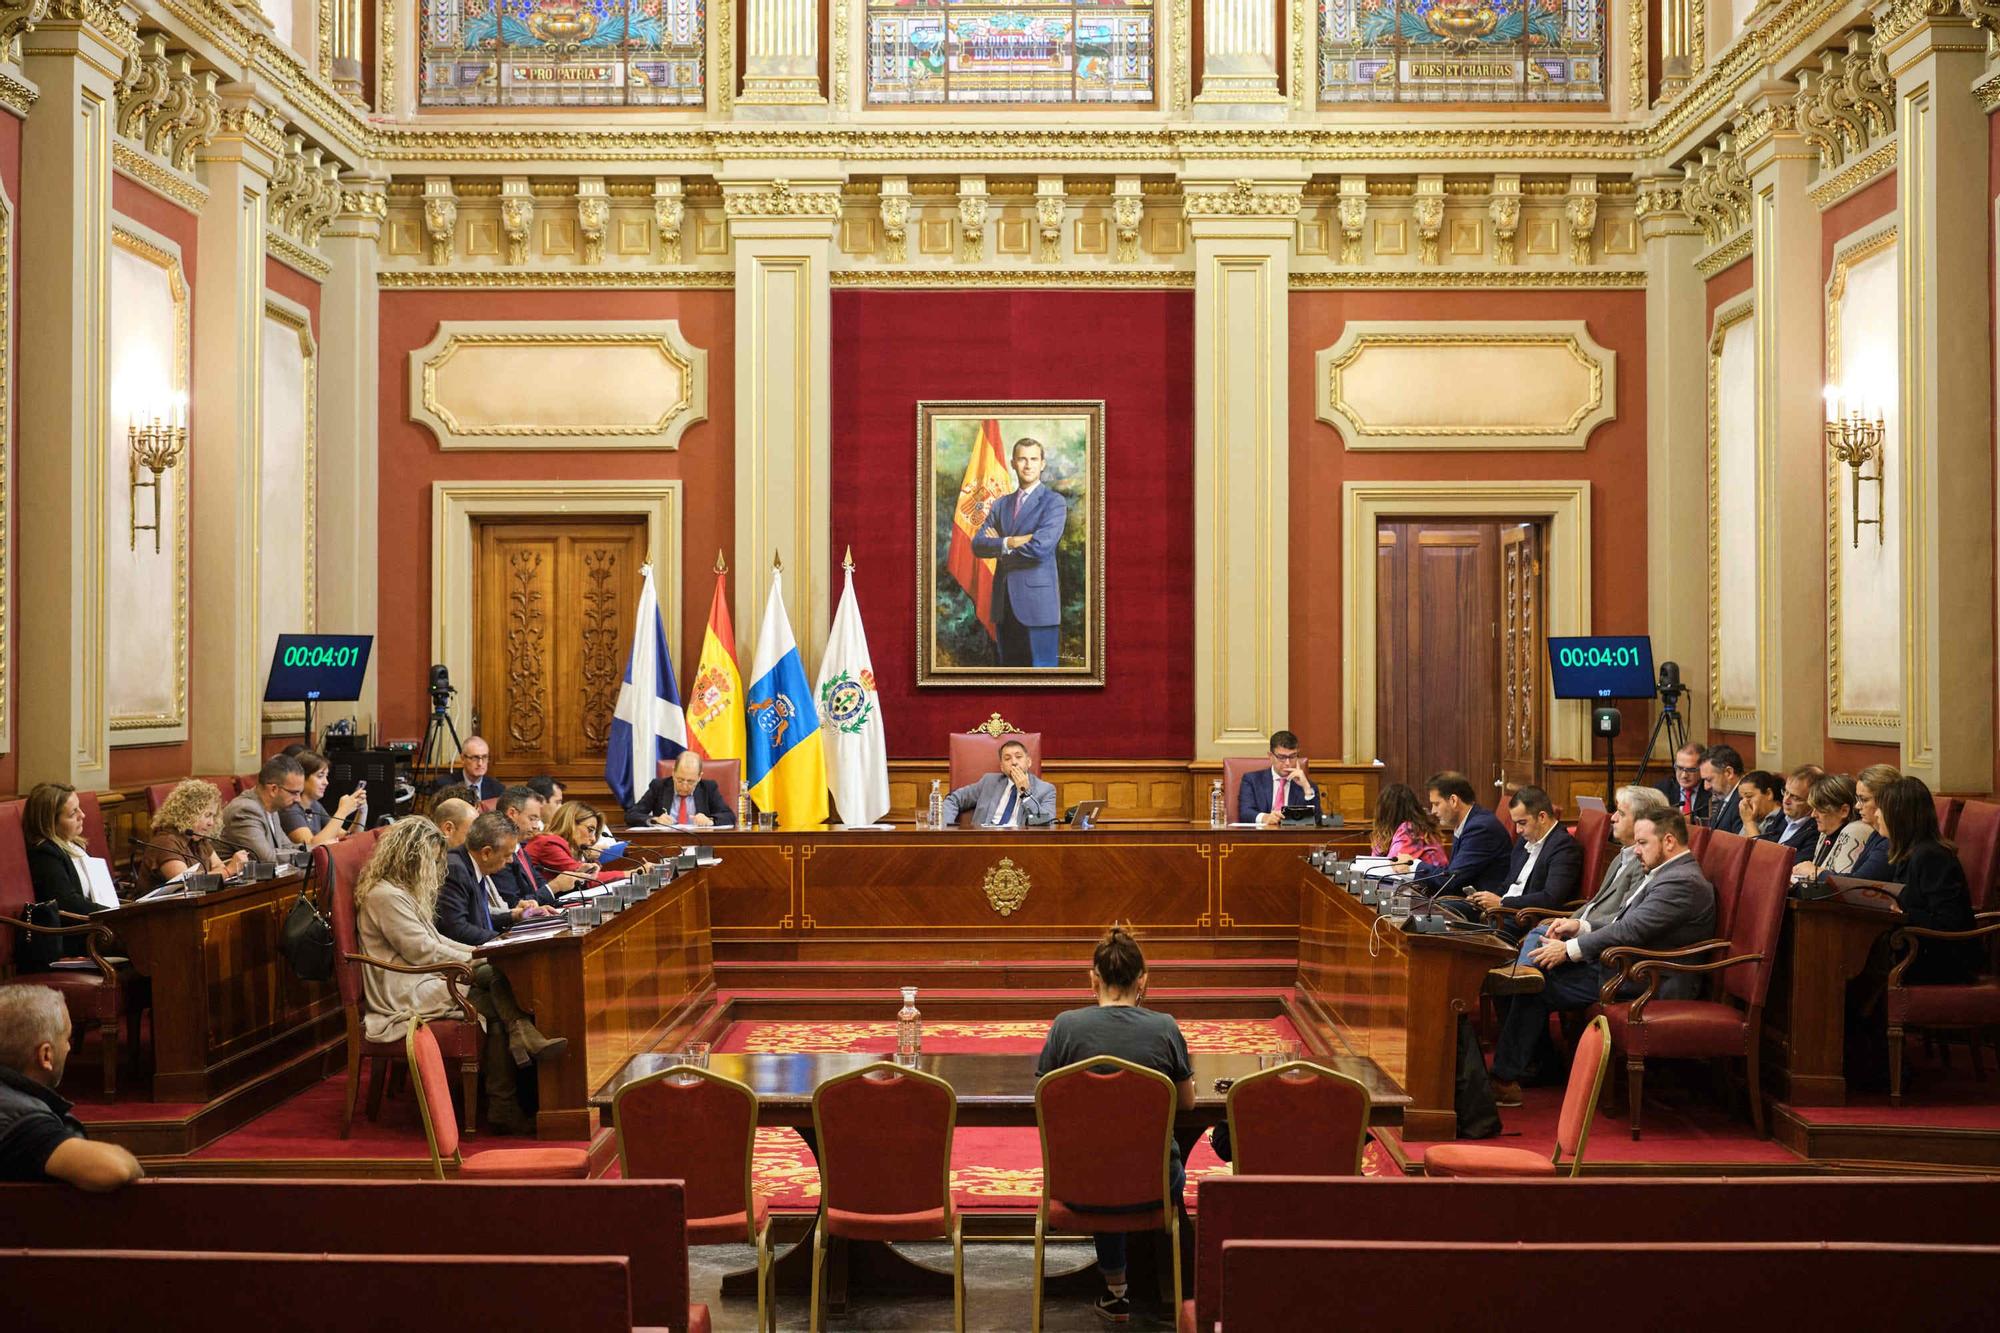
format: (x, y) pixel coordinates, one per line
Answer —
(1972, 1007)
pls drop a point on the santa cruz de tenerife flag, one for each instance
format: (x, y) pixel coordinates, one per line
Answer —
(857, 758)
(786, 769)
(648, 725)
(715, 703)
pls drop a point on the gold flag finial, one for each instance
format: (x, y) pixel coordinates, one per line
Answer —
(777, 565)
(721, 565)
(847, 561)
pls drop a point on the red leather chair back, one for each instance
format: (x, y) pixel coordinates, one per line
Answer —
(1586, 1075)
(1698, 838)
(695, 1127)
(727, 774)
(17, 888)
(157, 794)
(1593, 833)
(1234, 770)
(1948, 811)
(1722, 861)
(433, 1088)
(244, 782)
(885, 1142)
(96, 838)
(1300, 1119)
(1978, 839)
(976, 753)
(1104, 1135)
(336, 866)
(1760, 914)
(225, 786)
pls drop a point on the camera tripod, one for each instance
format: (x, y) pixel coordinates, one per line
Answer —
(1671, 723)
(432, 759)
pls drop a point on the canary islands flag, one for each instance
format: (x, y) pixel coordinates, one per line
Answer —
(786, 767)
(648, 725)
(715, 706)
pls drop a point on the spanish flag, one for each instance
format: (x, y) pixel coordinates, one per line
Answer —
(715, 704)
(987, 478)
(786, 766)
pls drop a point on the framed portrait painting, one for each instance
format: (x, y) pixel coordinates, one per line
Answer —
(1010, 542)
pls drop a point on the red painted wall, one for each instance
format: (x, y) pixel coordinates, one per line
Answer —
(1135, 350)
(10, 181)
(1614, 464)
(134, 765)
(293, 285)
(411, 462)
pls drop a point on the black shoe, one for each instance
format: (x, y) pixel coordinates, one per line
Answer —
(1113, 1309)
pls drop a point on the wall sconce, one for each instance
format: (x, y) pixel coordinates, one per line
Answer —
(1857, 441)
(159, 441)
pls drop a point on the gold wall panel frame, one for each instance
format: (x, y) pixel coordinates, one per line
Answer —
(6, 466)
(460, 349)
(1723, 715)
(1345, 375)
(280, 718)
(170, 726)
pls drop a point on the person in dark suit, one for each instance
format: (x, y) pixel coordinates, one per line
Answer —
(683, 797)
(1674, 906)
(1761, 797)
(1722, 774)
(1545, 868)
(1480, 844)
(518, 880)
(475, 757)
(470, 908)
(1935, 894)
(1683, 788)
(52, 826)
(1801, 829)
(1022, 531)
(1259, 799)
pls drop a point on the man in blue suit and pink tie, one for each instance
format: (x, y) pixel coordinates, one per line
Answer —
(1021, 533)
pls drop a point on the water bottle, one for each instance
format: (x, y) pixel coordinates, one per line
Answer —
(1215, 819)
(937, 819)
(742, 807)
(909, 1029)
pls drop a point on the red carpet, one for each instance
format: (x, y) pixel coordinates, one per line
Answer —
(308, 1127)
(1934, 1097)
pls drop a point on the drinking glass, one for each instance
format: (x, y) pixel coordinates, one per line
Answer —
(695, 1054)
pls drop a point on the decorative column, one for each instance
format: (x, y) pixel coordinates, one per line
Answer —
(348, 513)
(74, 57)
(782, 233)
(1946, 351)
(1791, 448)
(781, 60)
(343, 46)
(225, 444)
(1682, 24)
(1242, 235)
(1239, 61)
(1676, 438)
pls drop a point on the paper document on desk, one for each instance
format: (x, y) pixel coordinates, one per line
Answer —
(97, 882)
(864, 828)
(710, 860)
(587, 891)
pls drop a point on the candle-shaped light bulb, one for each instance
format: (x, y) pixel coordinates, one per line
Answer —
(180, 408)
(1832, 396)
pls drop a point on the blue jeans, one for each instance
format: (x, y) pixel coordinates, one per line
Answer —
(1111, 1244)
(1532, 942)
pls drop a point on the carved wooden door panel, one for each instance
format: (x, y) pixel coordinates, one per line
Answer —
(1522, 652)
(554, 603)
(1437, 652)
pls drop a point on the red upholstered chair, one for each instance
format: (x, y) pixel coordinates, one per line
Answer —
(1723, 857)
(1593, 834)
(335, 868)
(726, 774)
(225, 787)
(883, 1139)
(977, 753)
(1978, 839)
(1972, 1007)
(1698, 835)
(1107, 1128)
(1729, 1026)
(1234, 769)
(433, 1088)
(102, 996)
(700, 1128)
(96, 837)
(244, 782)
(1579, 1108)
(1300, 1119)
(1948, 810)
(157, 794)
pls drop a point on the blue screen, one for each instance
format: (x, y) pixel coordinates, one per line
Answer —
(317, 666)
(1617, 666)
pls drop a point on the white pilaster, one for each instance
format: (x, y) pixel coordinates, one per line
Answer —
(1239, 61)
(781, 59)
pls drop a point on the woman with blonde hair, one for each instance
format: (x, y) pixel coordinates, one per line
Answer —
(179, 838)
(568, 843)
(395, 904)
(1842, 832)
(1873, 863)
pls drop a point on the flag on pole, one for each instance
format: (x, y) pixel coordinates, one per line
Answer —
(987, 478)
(857, 757)
(787, 769)
(648, 724)
(715, 704)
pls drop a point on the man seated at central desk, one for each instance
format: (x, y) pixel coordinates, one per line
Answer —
(1012, 798)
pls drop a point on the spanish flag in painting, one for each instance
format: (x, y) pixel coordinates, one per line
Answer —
(715, 704)
(987, 478)
(787, 768)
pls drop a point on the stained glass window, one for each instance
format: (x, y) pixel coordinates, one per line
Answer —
(970, 51)
(1461, 51)
(562, 52)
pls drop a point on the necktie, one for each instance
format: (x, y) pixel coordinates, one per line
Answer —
(686, 815)
(485, 891)
(1278, 786)
(1687, 800)
(528, 880)
(1007, 810)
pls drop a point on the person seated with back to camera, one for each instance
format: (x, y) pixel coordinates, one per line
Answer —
(1119, 1025)
(1265, 793)
(178, 842)
(39, 1139)
(1545, 868)
(307, 823)
(683, 798)
(1012, 798)
(569, 847)
(470, 909)
(1404, 829)
(1481, 847)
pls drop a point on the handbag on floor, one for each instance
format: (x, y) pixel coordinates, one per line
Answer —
(1478, 1117)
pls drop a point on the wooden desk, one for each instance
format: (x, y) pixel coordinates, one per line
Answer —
(613, 990)
(1189, 890)
(1397, 1005)
(1825, 945)
(227, 1008)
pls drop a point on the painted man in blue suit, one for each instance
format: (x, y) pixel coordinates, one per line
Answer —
(1021, 534)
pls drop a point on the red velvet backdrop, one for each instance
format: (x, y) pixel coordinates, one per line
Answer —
(1134, 350)
(10, 182)
(134, 765)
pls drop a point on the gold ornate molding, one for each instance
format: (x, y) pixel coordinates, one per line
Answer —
(1724, 255)
(1242, 199)
(477, 385)
(565, 279)
(1006, 886)
(16, 96)
(780, 200)
(161, 180)
(6, 465)
(290, 253)
(1723, 713)
(1870, 167)
(1125, 278)
(1470, 279)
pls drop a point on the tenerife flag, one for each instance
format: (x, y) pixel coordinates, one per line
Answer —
(786, 769)
(648, 725)
(857, 756)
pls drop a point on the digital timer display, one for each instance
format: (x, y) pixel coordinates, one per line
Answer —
(311, 667)
(1602, 667)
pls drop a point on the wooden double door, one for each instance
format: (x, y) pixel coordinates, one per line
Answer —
(1461, 648)
(554, 606)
